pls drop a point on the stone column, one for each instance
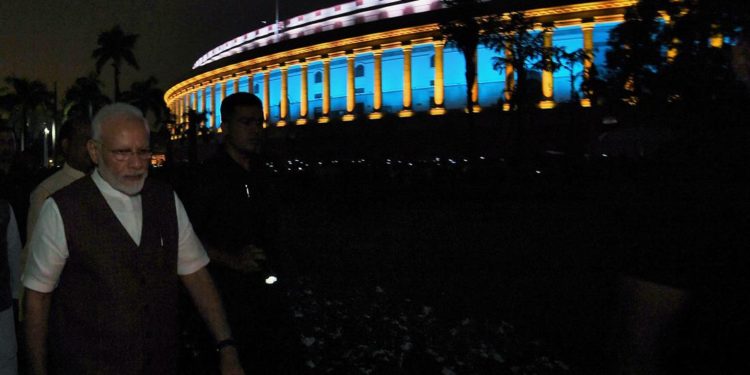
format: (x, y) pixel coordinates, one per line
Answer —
(266, 96)
(547, 78)
(324, 118)
(283, 102)
(588, 48)
(510, 78)
(407, 111)
(439, 81)
(180, 109)
(717, 39)
(236, 84)
(377, 85)
(350, 89)
(302, 120)
(213, 105)
(475, 108)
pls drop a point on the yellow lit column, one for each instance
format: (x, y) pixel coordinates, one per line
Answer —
(326, 91)
(510, 78)
(266, 96)
(547, 78)
(672, 50)
(302, 120)
(377, 85)
(475, 108)
(407, 111)
(224, 89)
(183, 108)
(439, 81)
(283, 103)
(235, 85)
(178, 111)
(194, 96)
(588, 48)
(350, 89)
(717, 39)
(672, 47)
(213, 105)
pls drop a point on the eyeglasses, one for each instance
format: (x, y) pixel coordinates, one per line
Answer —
(123, 155)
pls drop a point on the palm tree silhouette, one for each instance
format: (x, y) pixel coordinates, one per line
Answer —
(84, 97)
(464, 31)
(148, 98)
(115, 46)
(24, 100)
(569, 61)
(526, 51)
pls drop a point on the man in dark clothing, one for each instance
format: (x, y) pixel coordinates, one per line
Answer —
(106, 260)
(233, 207)
(10, 280)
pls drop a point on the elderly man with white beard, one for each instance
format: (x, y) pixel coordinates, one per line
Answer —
(106, 259)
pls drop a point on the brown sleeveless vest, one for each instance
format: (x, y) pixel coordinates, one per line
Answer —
(6, 297)
(114, 310)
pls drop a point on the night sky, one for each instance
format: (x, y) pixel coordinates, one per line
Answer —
(53, 40)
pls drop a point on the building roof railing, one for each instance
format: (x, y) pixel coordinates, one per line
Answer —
(326, 19)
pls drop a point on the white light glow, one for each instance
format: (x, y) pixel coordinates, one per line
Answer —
(271, 280)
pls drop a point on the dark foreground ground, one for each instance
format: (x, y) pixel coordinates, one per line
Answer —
(511, 265)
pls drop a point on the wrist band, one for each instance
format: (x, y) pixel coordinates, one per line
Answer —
(224, 343)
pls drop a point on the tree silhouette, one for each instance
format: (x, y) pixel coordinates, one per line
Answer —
(700, 71)
(636, 53)
(148, 98)
(84, 97)
(25, 99)
(115, 46)
(464, 30)
(569, 61)
(695, 70)
(515, 33)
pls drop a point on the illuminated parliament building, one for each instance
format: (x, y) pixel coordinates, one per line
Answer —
(367, 59)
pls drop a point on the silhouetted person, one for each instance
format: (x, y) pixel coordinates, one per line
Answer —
(74, 134)
(10, 286)
(234, 210)
(106, 260)
(15, 177)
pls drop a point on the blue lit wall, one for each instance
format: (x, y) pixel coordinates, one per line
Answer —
(217, 100)
(571, 39)
(601, 35)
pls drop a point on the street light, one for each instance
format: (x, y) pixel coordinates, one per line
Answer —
(46, 153)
